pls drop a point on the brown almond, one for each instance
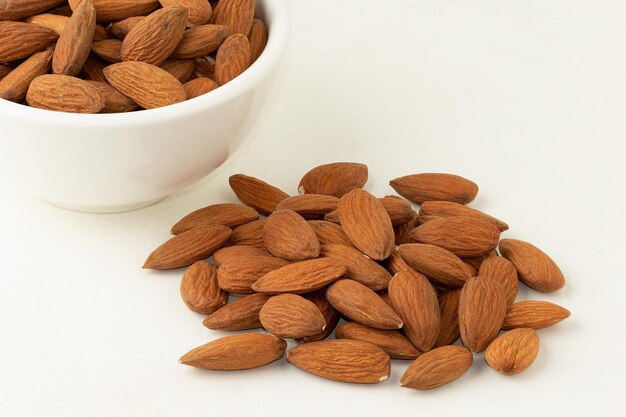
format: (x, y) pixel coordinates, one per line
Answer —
(300, 277)
(20, 40)
(250, 234)
(331, 316)
(336, 179)
(449, 313)
(291, 316)
(310, 206)
(395, 263)
(328, 232)
(399, 211)
(21, 9)
(181, 69)
(367, 224)
(359, 267)
(200, 41)
(154, 38)
(93, 69)
(14, 85)
(238, 275)
(475, 262)
(482, 307)
(342, 360)
(258, 38)
(237, 352)
(238, 15)
(64, 93)
(204, 68)
(438, 367)
(241, 314)
(415, 300)
(359, 303)
(145, 84)
(74, 44)
(109, 49)
(534, 314)
(55, 22)
(535, 268)
(441, 266)
(452, 209)
(256, 193)
(100, 34)
(502, 271)
(199, 288)
(188, 247)
(123, 27)
(226, 214)
(116, 10)
(235, 252)
(199, 11)
(391, 341)
(435, 187)
(199, 86)
(287, 235)
(423, 218)
(461, 236)
(403, 231)
(513, 351)
(114, 101)
(233, 58)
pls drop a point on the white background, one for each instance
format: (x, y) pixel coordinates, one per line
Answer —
(525, 97)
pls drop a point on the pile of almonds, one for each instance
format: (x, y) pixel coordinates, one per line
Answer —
(408, 284)
(112, 56)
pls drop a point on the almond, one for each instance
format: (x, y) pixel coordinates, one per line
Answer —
(535, 268)
(181, 69)
(438, 367)
(236, 14)
(154, 38)
(238, 275)
(475, 262)
(241, 351)
(114, 101)
(241, 314)
(21, 9)
(199, 11)
(461, 236)
(502, 271)
(449, 313)
(145, 84)
(226, 214)
(64, 93)
(441, 266)
(74, 44)
(231, 253)
(199, 288)
(416, 302)
(482, 307)
(199, 86)
(291, 316)
(310, 206)
(328, 232)
(250, 234)
(257, 38)
(100, 34)
(116, 10)
(533, 314)
(359, 267)
(336, 179)
(20, 40)
(435, 187)
(188, 247)
(233, 58)
(452, 209)
(391, 341)
(287, 235)
(120, 29)
(205, 67)
(109, 49)
(14, 85)
(200, 41)
(513, 351)
(367, 224)
(403, 231)
(331, 316)
(399, 211)
(55, 22)
(342, 360)
(256, 193)
(359, 303)
(300, 277)
(395, 263)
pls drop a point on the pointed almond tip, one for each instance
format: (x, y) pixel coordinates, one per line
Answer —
(383, 378)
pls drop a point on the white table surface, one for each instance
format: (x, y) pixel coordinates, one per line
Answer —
(525, 97)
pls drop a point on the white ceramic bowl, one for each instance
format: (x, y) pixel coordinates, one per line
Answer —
(118, 162)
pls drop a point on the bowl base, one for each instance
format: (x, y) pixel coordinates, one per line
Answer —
(103, 209)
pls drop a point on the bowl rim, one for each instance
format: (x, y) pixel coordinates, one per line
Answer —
(274, 10)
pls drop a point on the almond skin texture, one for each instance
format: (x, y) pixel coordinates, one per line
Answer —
(402, 231)
(437, 367)
(52, 21)
(93, 69)
(109, 49)
(188, 247)
(250, 234)
(145, 84)
(367, 224)
(238, 275)
(342, 360)
(199, 288)
(114, 101)
(226, 214)
(233, 58)
(20, 40)
(310, 206)
(199, 86)
(116, 10)
(257, 38)
(416, 302)
(502, 271)
(359, 303)
(536, 269)
(256, 193)
(441, 266)
(482, 307)
(74, 44)
(300, 277)
(513, 351)
(233, 353)
(200, 41)
(399, 211)
(241, 314)
(328, 232)
(14, 85)
(238, 15)
(64, 93)
(291, 316)
(391, 341)
(154, 38)
(199, 11)
(451, 209)
(21, 9)
(181, 69)
(534, 314)
(336, 179)
(449, 313)
(462, 236)
(123, 27)
(359, 267)
(287, 235)
(331, 316)
(435, 187)
(235, 252)
(395, 263)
